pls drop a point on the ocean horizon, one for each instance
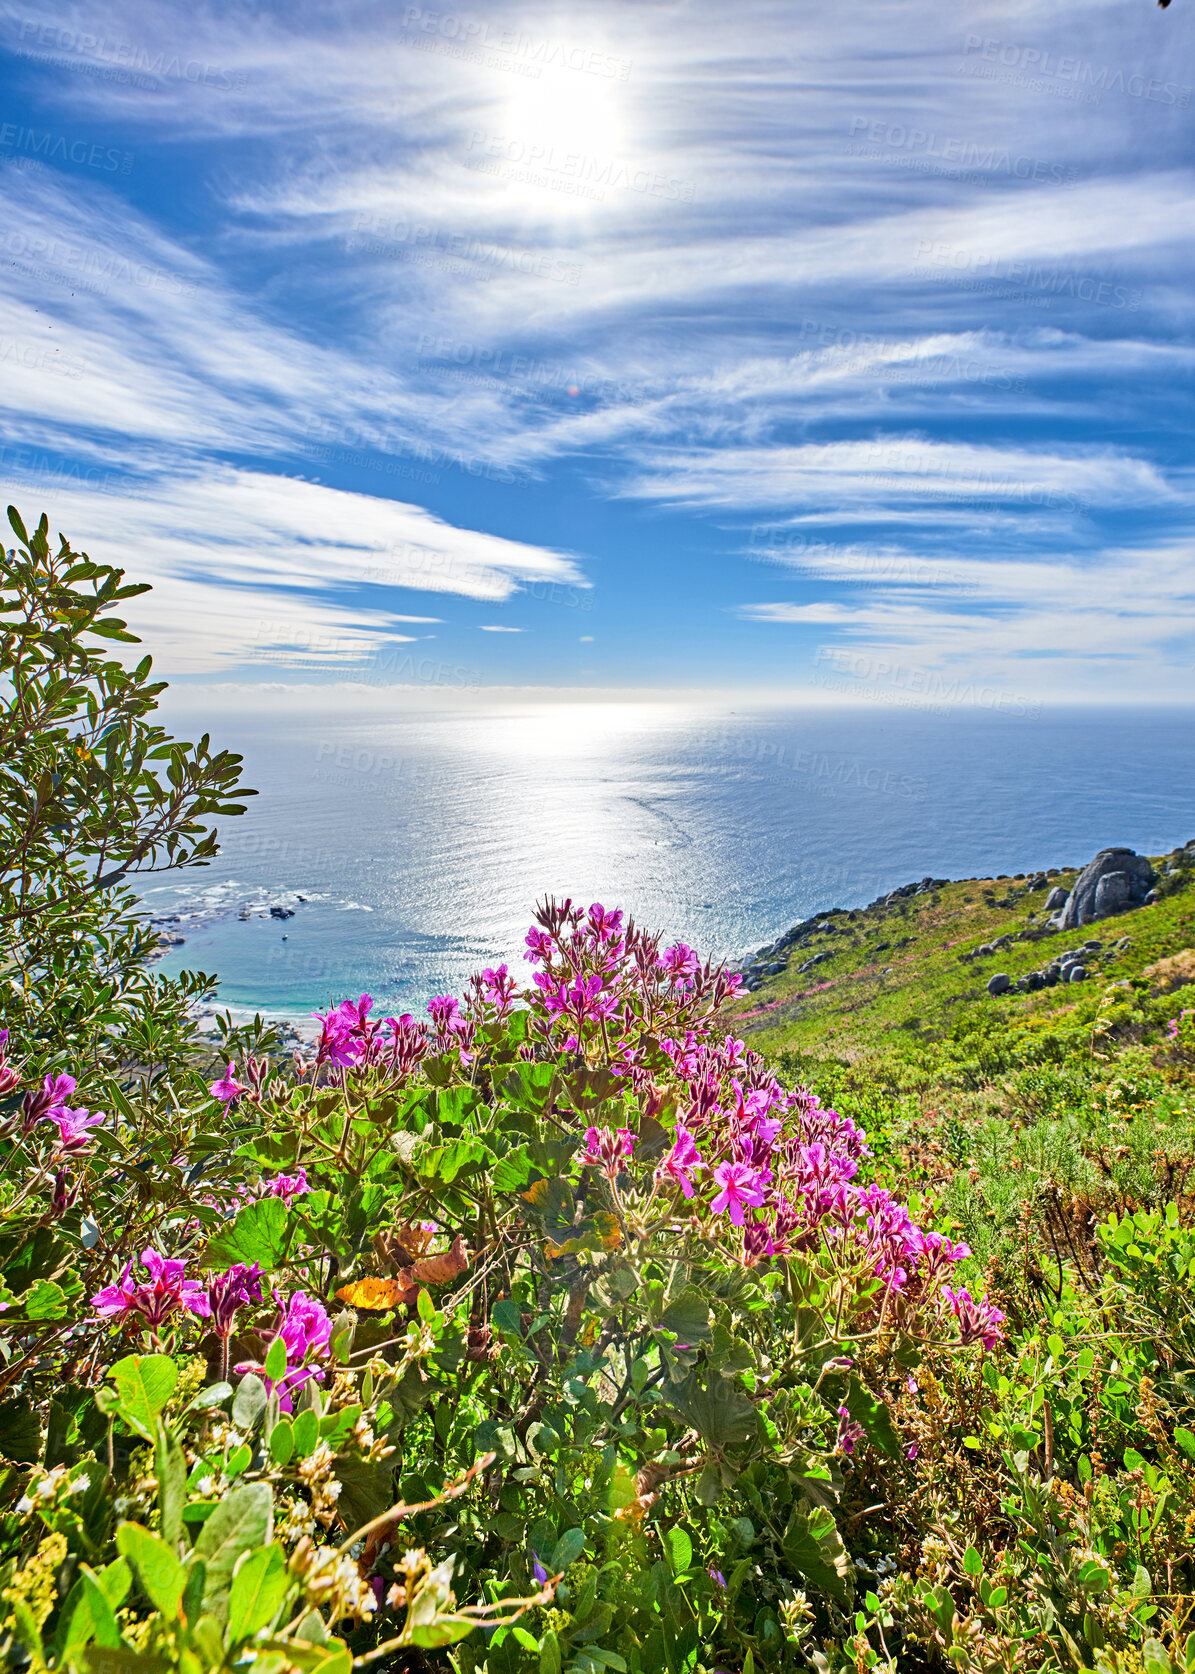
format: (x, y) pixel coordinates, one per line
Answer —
(411, 850)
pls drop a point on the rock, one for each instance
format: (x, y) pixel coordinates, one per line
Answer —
(999, 984)
(1152, 899)
(1055, 899)
(1077, 973)
(1133, 876)
(282, 912)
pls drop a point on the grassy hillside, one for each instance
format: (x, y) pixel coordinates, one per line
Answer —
(1025, 1116)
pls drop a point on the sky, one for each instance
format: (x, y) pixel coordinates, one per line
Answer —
(613, 348)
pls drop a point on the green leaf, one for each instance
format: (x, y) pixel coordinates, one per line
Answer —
(679, 1549)
(721, 1415)
(813, 1546)
(282, 1442)
(45, 1300)
(249, 1402)
(87, 1615)
(687, 1316)
(1186, 1440)
(262, 1233)
(306, 1433)
(972, 1562)
(275, 1367)
(567, 1550)
(258, 1590)
(20, 1432)
(240, 1522)
(508, 1317)
(161, 1575)
(144, 1384)
(549, 1654)
(172, 1485)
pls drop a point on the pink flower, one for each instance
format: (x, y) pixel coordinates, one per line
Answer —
(682, 1162)
(498, 988)
(608, 1149)
(977, 1321)
(73, 1126)
(337, 1045)
(443, 1010)
(849, 1434)
(306, 1330)
(285, 1186)
(228, 1088)
(228, 1292)
(603, 925)
(679, 962)
(539, 946)
(740, 1189)
(156, 1298)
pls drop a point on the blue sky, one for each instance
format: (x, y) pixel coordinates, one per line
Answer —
(610, 347)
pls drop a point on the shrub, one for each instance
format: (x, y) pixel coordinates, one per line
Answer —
(571, 1260)
(92, 793)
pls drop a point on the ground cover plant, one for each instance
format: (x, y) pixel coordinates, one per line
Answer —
(562, 1328)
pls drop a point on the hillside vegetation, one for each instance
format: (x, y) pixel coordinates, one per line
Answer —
(605, 1320)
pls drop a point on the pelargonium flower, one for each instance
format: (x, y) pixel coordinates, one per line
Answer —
(978, 1322)
(849, 1434)
(337, 1045)
(682, 1162)
(603, 925)
(443, 1009)
(228, 1088)
(285, 1186)
(608, 1149)
(740, 1189)
(155, 1298)
(239, 1287)
(306, 1330)
(498, 988)
(539, 946)
(679, 962)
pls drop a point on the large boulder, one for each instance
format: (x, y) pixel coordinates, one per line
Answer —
(999, 984)
(1114, 881)
(1055, 899)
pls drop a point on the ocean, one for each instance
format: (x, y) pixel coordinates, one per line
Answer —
(411, 850)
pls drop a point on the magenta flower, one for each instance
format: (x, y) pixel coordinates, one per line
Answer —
(603, 925)
(586, 998)
(227, 1293)
(306, 1330)
(740, 1189)
(73, 1128)
(849, 1434)
(608, 1149)
(682, 1162)
(285, 1186)
(49, 1098)
(228, 1087)
(679, 963)
(155, 1298)
(443, 1010)
(978, 1322)
(336, 1043)
(498, 988)
(539, 946)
